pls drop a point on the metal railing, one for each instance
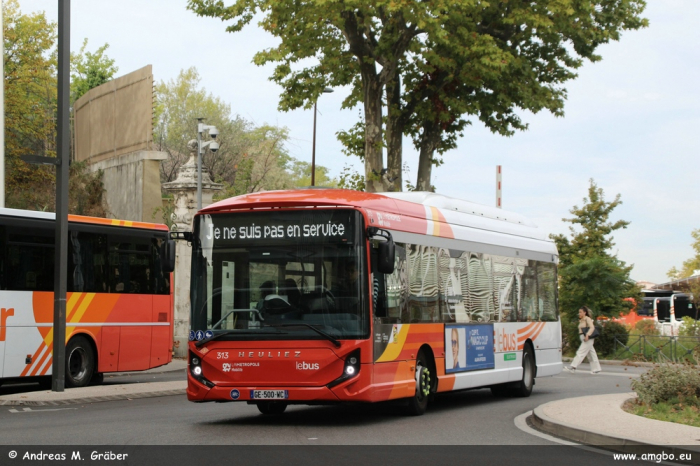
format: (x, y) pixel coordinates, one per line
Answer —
(657, 348)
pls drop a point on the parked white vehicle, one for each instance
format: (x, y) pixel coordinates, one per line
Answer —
(669, 311)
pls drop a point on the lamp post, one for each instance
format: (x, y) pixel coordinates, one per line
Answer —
(327, 90)
(213, 146)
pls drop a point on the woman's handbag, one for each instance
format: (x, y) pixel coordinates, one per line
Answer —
(595, 333)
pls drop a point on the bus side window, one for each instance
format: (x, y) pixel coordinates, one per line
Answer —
(30, 257)
(391, 290)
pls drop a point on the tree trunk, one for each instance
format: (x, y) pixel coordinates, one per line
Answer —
(373, 129)
(428, 143)
(394, 135)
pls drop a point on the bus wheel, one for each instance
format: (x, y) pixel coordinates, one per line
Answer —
(524, 387)
(418, 403)
(271, 407)
(80, 362)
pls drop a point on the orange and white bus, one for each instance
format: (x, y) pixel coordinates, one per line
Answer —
(119, 301)
(319, 296)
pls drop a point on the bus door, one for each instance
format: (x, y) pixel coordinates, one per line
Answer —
(390, 315)
(129, 257)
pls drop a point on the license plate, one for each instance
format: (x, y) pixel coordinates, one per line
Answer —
(269, 394)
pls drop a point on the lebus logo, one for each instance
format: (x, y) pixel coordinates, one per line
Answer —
(305, 366)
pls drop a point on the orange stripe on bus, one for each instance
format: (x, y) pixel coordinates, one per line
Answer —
(71, 304)
(37, 365)
(29, 366)
(48, 365)
(528, 330)
(80, 310)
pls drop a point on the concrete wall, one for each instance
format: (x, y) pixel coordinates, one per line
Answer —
(115, 118)
(132, 185)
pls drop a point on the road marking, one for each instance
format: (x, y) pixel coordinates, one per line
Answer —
(30, 410)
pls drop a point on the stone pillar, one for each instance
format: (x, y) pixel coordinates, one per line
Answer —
(184, 191)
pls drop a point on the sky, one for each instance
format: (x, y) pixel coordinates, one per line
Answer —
(631, 120)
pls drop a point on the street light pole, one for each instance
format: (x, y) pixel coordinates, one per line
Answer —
(327, 90)
(199, 163)
(213, 146)
(58, 368)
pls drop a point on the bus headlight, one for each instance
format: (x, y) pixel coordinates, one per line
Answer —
(350, 369)
(196, 370)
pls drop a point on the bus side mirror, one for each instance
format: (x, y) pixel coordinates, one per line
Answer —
(387, 250)
(168, 256)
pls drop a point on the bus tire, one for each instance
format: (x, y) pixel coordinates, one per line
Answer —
(271, 407)
(80, 362)
(524, 387)
(418, 403)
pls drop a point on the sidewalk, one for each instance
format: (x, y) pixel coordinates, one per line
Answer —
(105, 392)
(590, 420)
(600, 420)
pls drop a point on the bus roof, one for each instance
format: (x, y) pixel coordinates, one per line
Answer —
(32, 214)
(416, 212)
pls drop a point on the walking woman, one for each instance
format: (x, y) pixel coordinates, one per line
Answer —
(586, 348)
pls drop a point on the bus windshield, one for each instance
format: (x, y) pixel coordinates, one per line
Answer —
(279, 275)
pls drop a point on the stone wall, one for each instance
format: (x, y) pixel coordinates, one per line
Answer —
(132, 185)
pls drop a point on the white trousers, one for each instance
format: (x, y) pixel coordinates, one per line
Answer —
(586, 349)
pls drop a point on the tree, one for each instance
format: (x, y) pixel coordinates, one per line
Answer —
(89, 70)
(428, 64)
(30, 118)
(588, 274)
(179, 103)
(249, 158)
(301, 175)
(691, 265)
(30, 99)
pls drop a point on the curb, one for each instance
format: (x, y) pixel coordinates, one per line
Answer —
(94, 399)
(574, 433)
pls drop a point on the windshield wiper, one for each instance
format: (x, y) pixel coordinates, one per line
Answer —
(230, 332)
(329, 337)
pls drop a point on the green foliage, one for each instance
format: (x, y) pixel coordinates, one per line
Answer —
(89, 70)
(600, 283)
(449, 62)
(690, 265)
(689, 327)
(85, 192)
(588, 274)
(645, 327)
(593, 217)
(30, 124)
(667, 382)
(164, 214)
(350, 179)
(609, 332)
(301, 175)
(679, 412)
(30, 99)
(250, 158)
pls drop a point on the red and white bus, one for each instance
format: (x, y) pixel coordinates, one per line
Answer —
(119, 302)
(319, 296)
